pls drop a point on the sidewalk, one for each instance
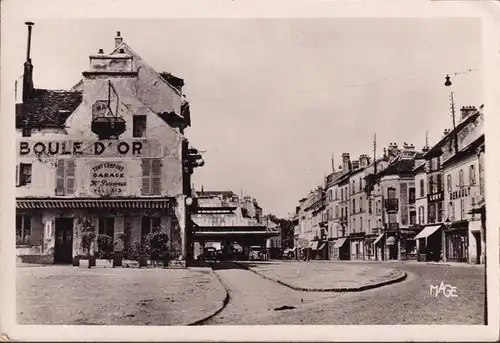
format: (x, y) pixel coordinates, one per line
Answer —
(61, 295)
(326, 277)
(413, 262)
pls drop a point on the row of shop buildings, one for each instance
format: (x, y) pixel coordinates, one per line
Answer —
(426, 205)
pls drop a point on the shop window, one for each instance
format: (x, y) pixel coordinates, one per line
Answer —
(472, 175)
(23, 174)
(107, 226)
(23, 230)
(139, 126)
(65, 177)
(148, 225)
(151, 176)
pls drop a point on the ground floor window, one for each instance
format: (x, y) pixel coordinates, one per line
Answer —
(23, 229)
(148, 225)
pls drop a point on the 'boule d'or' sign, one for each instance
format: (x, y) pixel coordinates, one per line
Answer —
(90, 148)
(108, 178)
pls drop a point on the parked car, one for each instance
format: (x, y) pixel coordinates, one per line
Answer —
(256, 253)
(209, 254)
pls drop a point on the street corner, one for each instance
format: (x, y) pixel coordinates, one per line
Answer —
(325, 277)
(53, 296)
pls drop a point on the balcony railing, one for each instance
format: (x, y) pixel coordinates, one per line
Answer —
(391, 204)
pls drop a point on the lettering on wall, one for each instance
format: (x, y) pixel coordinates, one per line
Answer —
(461, 193)
(108, 179)
(90, 148)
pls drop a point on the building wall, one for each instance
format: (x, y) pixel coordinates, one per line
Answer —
(421, 197)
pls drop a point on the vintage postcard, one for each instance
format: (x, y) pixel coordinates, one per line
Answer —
(177, 172)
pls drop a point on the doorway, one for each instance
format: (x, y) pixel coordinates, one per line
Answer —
(477, 236)
(63, 249)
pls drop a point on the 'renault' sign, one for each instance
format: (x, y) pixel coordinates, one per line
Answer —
(90, 148)
(108, 178)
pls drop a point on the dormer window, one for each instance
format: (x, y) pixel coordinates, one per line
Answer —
(106, 121)
(139, 126)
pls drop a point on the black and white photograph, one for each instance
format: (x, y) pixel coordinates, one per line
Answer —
(207, 172)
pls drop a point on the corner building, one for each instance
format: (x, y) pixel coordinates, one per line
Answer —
(105, 156)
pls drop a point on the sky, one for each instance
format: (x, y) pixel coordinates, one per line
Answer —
(273, 99)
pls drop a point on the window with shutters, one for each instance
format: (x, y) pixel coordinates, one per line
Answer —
(65, 177)
(151, 176)
(23, 230)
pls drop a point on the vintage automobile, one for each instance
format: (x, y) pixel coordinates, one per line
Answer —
(256, 253)
(209, 254)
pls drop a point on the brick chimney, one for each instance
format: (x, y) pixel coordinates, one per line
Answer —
(118, 39)
(408, 147)
(364, 161)
(392, 150)
(467, 111)
(28, 68)
(346, 162)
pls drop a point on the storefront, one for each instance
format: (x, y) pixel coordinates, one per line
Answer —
(378, 246)
(356, 240)
(58, 227)
(456, 242)
(342, 249)
(428, 243)
(369, 247)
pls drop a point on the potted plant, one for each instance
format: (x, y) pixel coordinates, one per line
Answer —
(105, 246)
(157, 249)
(88, 238)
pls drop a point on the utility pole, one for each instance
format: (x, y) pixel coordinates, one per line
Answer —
(452, 101)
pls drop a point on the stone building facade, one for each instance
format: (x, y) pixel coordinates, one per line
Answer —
(104, 157)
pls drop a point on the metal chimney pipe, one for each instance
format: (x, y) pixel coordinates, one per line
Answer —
(28, 51)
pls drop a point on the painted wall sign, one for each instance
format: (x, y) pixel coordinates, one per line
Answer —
(435, 197)
(90, 148)
(108, 178)
(461, 193)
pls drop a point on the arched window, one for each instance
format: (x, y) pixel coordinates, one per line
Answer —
(461, 178)
(448, 183)
(472, 175)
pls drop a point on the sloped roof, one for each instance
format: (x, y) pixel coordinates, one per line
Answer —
(47, 108)
(436, 149)
(399, 166)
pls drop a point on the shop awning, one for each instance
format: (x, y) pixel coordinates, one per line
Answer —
(322, 246)
(475, 225)
(340, 242)
(79, 203)
(429, 230)
(378, 238)
(314, 245)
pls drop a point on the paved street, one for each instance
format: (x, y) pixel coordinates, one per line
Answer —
(253, 299)
(105, 296)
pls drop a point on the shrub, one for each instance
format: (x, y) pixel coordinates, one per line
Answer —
(105, 246)
(156, 246)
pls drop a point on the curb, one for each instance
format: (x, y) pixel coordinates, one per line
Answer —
(220, 309)
(334, 290)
